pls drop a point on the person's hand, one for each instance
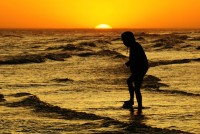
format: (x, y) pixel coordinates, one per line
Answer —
(127, 64)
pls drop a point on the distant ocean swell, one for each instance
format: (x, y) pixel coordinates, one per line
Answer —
(176, 41)
(66, 51)
(57, 56)
(151, 83)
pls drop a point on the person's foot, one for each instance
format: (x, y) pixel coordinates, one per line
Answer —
(140, 107)
(127, 104)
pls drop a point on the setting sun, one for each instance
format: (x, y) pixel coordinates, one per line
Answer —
(103, 26)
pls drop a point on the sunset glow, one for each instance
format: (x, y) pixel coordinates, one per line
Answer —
(87, 13)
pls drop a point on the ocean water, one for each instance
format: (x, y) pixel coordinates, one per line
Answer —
(74, 81)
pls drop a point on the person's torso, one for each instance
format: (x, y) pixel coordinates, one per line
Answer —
(137, 58)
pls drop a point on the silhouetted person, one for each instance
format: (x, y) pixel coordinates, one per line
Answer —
(138, 64)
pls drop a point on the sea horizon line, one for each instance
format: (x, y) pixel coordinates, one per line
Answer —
(112, 29)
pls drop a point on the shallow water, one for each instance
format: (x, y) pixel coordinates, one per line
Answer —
(75, 81)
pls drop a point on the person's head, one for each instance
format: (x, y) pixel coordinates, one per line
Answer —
(128, 38)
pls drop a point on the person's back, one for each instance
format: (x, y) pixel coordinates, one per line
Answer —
(138, 59)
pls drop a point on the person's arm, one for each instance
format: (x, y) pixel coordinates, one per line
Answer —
(128, 63)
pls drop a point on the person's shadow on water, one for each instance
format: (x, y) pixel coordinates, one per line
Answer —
(136, 118)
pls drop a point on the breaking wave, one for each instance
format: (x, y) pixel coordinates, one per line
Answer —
(69, 47)
(2, 98)
(39, 106)
(35, 58)
(168, 62)
(152, 83)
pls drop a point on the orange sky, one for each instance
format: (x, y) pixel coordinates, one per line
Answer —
(89, 13)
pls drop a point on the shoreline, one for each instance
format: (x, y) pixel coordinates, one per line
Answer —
(42, 109)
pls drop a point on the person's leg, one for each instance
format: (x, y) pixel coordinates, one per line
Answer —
(131, 89)
(138, 83)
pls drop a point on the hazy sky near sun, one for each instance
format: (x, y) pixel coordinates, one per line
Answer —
(89, 13)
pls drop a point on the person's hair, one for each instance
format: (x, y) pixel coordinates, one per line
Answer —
(128, 38)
